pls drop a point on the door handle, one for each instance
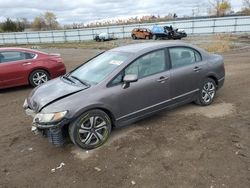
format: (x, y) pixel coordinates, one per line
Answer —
(162, 79)
(28, 63)
(197, 69)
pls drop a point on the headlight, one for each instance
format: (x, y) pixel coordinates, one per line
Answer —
(50, 117)
(25, 104)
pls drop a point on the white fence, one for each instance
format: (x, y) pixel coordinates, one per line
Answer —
(238, 24)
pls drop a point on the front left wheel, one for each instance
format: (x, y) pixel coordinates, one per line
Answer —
(91, 129)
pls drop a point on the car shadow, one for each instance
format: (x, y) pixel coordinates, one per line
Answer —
(15, 89)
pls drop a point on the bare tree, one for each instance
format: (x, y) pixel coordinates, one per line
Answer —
(220, 7)
(246, 3)
(45, 22)
(39, 23)
(50, 20)
(246, 7)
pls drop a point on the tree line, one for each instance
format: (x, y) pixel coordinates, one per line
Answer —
(48, 20)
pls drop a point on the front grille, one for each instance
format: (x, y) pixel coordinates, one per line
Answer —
(56, 136)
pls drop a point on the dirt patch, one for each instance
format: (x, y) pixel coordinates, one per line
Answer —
(81, 154)
(212, 111)
(116, 136)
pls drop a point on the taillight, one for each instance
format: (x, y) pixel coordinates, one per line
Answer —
(59, 60)
(56, 60)
(56, 57)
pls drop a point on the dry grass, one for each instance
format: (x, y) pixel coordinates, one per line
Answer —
(84, 45)
(219, 43)
(212, 43)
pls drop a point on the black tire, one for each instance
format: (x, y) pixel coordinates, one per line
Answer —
(147, 37)
(38, 77)
(88, 128)
(154, 37)
(134, 37)
(207, 93)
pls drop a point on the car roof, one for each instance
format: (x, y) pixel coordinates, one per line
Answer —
(21, 49)
(148, 46)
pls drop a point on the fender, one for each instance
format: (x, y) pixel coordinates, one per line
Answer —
(105, 108)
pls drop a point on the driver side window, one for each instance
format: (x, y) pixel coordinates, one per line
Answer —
(146, 65)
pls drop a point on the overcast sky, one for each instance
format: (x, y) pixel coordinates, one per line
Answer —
(83, 11)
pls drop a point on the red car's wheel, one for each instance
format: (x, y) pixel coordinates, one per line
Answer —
(38, 77)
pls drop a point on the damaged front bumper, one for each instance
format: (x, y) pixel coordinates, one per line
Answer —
(53, 131)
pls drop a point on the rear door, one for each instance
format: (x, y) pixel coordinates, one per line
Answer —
(149, 93)
(14, 66)
(186, 73)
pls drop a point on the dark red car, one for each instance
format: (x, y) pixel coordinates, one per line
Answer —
(21, 66)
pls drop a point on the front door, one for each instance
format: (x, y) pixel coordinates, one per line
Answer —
(149, 93)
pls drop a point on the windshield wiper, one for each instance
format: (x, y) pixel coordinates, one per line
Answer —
(81, 81)
(67, 78)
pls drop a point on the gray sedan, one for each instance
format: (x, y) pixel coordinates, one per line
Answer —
(121, 86)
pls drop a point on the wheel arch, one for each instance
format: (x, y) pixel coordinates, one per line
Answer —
(214, 78)
(110, 114)
(38, 68)
(97, 107)
(35, 69)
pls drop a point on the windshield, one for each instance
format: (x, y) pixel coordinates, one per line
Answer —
(97, 69)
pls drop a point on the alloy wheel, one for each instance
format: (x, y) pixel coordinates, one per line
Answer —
(93, 130)
(39, 78)
(208, 92)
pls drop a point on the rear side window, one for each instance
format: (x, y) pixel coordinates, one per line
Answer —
(29, 55)
(183, 56)
(10, 56)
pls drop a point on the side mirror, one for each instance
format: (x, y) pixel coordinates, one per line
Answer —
(129, 79)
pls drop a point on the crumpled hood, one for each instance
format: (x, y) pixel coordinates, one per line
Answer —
(50, 92)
